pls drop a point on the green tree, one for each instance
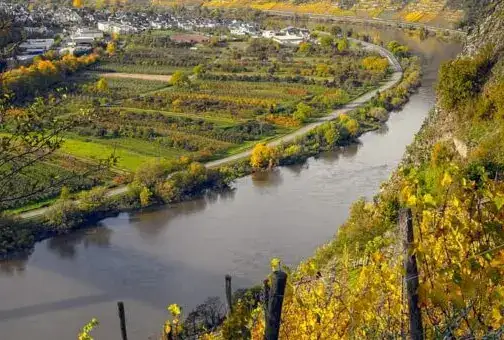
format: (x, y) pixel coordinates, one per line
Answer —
(398, 49)
(326, 41)
(342, 45)
(199, 70)
(303, 112)
(336, 31)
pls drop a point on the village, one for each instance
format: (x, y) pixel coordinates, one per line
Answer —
(78, 31)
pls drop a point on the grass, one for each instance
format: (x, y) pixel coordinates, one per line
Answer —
(123, 148)
(217, 120)
(32, 206)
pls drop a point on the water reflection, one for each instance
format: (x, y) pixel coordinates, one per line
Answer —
(65, 246)
(297, 169)
(151, 222)
(15, 266)
(267, 179)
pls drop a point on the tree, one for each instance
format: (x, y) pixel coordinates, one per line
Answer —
(102, 85)
(375, 63)
(303, 112)
(111, 48)
(397, 49)
(305, 47)
(77, 3)
(199, 70)
(180, 79)
(145, 196)
(263, 156)
(326, 41)
(336, 31)
(342, 45)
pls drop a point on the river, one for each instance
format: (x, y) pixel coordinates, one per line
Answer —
(180, 254)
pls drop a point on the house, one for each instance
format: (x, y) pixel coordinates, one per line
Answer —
(285, 39)
(89, 33)
(36, 46)
(112, 27)
(268, 34)
(294, 31)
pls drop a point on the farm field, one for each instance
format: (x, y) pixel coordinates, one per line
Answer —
(158, 98)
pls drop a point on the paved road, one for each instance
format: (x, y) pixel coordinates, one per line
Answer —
(394, 79)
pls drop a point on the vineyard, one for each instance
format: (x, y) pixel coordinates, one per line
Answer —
(219, 97)
(443, 13)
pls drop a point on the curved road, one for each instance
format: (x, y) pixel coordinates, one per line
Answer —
(394, 79)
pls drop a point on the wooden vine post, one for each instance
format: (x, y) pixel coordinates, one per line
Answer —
(412, 282)
(228, 295)
(274, 315)
(122, 320)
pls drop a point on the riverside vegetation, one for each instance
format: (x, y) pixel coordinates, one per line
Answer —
(173, 126)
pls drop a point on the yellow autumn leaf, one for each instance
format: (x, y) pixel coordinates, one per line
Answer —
(412, 200)
(275, 264)
(447, 180)
(174, 309)
(428, 199)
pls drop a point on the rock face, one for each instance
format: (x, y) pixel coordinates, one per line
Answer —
(488, 29)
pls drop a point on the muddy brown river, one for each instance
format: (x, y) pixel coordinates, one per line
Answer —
(180, 254)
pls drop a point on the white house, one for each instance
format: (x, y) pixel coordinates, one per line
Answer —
(112, 27)
(37, 45)
(288, 39)
(89, 33)
(268, 34)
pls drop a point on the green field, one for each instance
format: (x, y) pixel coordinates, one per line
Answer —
(131, 153)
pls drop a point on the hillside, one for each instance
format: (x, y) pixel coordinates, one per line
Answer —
(451, 181)
(444, 13)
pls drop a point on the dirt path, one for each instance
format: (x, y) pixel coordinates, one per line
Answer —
(394, 79)
(155, 77)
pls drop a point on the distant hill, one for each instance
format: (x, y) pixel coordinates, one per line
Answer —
(445, 13)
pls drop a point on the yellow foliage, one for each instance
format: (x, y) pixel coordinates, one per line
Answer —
(263, 156)
(375, 64)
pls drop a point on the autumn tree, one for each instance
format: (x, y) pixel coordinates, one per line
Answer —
(199, 70)
(305, 47)
(374, 63)
(180, 79)
(263, 156)
(77, 3)
(303, 112)
(111, 48)
(102, 85)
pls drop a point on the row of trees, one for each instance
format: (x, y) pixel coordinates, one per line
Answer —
(26, 82)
